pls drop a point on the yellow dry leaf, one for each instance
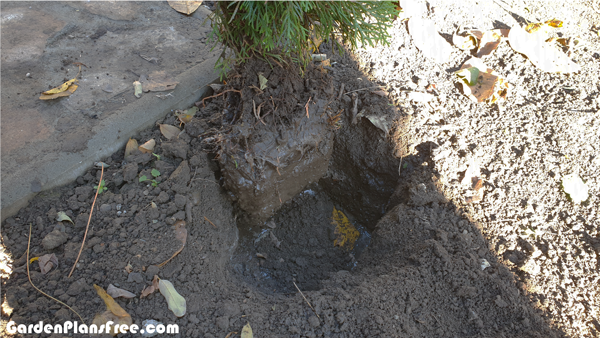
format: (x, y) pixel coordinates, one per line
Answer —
(534, 27)
(114, 312)
(60, 88)
(247, 331)
(70, 90)
(130, 147)
(489, 87)
(543, 26)
(554, 23)
(346, 233)
(169, 131)
(185, 7)
(147, 147)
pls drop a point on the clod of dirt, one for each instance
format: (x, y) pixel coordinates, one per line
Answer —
(54, 239)
(282, 139)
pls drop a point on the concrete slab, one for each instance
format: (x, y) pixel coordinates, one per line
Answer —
(45, 144)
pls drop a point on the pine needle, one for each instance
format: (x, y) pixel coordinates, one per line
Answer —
(88, 223)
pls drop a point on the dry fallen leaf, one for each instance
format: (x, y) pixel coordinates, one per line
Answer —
(188, 115)
(477, 197)
(262, 81)
(47, 262)
(216, 87)
(59, 91)
(128, 268)
(478, 185)
(169, 131)
(490, 41)
(132, 145)
(542, 54)
(62, 216)
(346, 233)
(150, 289)
(114, 312)
(485, 41)
(487, 86)
(60, 88)
(428, 40)
(467, 39)
(537, 26)
(158, 81)
(175, 301)
(147, 147)
(247, 331)
(185, 7)
(116, 292)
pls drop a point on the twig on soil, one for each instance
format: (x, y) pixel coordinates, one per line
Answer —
(257, 113)
(307, 302)
(230, 334)
(358, 90)
(168, 260)
(213, 96)
(35, 287)
(211, 223)
(341, 91)
(87, 227)
(278, 166)
(354, 107)
(306, 106)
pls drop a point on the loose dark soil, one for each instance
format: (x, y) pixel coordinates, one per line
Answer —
(416, 271)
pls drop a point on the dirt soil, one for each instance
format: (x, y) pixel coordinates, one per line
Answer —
(395, 170)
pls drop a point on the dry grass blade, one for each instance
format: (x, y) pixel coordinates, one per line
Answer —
(87, 227)
(211, 223)
(35, 287)
(307, 302)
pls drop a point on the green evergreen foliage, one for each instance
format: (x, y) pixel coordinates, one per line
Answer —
(291, 29)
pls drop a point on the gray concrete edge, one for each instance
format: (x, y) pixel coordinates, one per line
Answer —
(110, 135)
